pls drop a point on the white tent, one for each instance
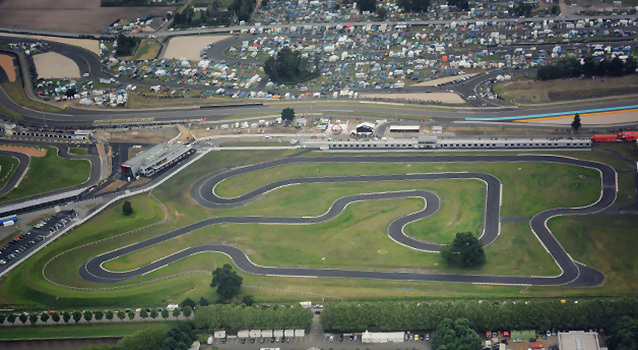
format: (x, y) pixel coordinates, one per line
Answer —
(289, 333)
(219, 334)
(300, 332)
(378, 337)
(242, 334)
(266, 333)
(278, 333)
(254, 333)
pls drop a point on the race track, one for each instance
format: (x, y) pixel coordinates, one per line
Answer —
(573, 273)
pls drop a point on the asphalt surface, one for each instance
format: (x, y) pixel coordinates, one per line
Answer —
(23, 164)
(574, 273)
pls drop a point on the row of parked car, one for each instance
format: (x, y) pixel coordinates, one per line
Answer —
(38, 233)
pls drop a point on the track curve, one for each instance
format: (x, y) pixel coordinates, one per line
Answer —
(573, 272)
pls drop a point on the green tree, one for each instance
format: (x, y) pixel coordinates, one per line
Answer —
(143, 314)
(288, 114)
(455, 335)
(203, 301)
(99, 315)
(2, 318)
(176, 312)
(154, 314)
(227, 281)
(576, 124)
(77, 316)
(146, 339)
(165, 314)
(66, 316)
(11, 318)
(44, 317)
(188, 302)
(188, 311)
(414, 5)
(465, 251)
(288, 67)
(127, 208)
(121, 315)
(248, 300)
(88, 315)
(624, 334)
(55, 317)
(131, 314)
(382, 13)
(23, 318)
(367, 5)
(33, 318)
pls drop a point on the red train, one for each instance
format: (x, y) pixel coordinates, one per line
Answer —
(625, 136)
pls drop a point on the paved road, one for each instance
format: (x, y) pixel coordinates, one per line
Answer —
(23, 163)
(574, 273)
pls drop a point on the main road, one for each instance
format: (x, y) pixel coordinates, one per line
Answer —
(573, 273)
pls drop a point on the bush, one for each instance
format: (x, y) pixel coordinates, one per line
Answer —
(465, 251)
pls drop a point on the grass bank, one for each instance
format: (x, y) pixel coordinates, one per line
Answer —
(115, 329)
(39, 179)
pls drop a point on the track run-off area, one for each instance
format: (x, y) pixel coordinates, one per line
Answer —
(573, 273)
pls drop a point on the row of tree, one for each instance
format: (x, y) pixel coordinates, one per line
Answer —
(89, 315)
(289, 67)
(126, 45)
(161, 337)
(233, 318)
(414, 5)
(571, 68)
(210, 17)
(456, 335)
(485, 315)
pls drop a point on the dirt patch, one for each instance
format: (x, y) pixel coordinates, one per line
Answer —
(186, 135)
(52, 65)
(441, 80)
(83, 16)
(87, 44)
(443, 97)
(139, 136)
(382, 251)
(112, 186)
(189, 47)
(7, 64)
(30, 151)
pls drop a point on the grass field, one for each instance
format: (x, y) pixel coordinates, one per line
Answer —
(557, 90)
(146, 50)
(78, 151)
(39, 177)
(115, 329)
(7, 167)
(362, 225)
(9, 113)
(16, 93)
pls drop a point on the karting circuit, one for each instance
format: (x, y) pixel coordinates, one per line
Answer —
(573, 272)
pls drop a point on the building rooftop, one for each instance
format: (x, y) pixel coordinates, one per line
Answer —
(578, 340)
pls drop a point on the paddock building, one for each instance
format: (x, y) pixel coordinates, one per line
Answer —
(156, 158)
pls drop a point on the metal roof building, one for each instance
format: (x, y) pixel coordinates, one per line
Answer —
(578, 340)
(155, 159)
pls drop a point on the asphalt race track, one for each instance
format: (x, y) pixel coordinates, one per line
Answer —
(574, 273)
(23, 164)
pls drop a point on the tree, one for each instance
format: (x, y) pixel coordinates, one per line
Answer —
(248, 300)
(2, 318)
(188, 302)
(176, 312)
(203, 301)
(154, 313)
(151, 338)
(126, 45)
(99, 315)
(288, 67)
(55, 317)
(108, 315)
(127, 208)
(382, 13)
(227, 281)
(414, 5)
(576, 124)
(121, 315)
(188, 311)
(77, 316)
(66, 316)
(465, 251)
(131, 314)
(455, 335)
(288, 114)
(44, 317)
(11, 318)
(165, 314)
(33, 318)
(367, 5)
(23, 318)
(143, 314)
(624, 334)
(88, 315)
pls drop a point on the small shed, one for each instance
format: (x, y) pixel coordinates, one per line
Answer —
(266, 333)
(242, 334)
(278, 333)
(254, 333)
(380, 337)
(219, 334)
(289, 333)
(300, 332)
